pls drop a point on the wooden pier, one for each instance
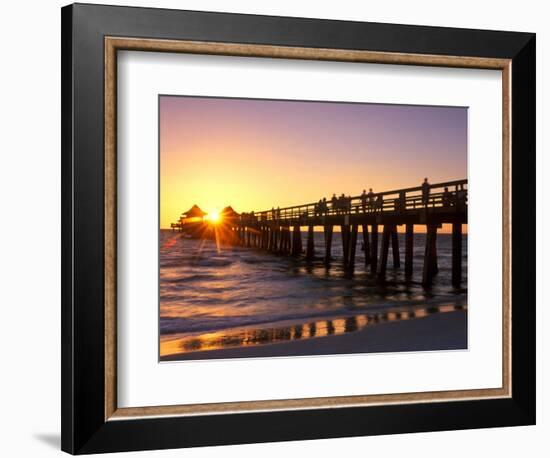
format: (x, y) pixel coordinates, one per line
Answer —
(278, 230)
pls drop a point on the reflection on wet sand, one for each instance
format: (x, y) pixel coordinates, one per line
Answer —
(173, 344)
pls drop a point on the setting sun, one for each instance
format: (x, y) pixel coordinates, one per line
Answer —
(214, 217)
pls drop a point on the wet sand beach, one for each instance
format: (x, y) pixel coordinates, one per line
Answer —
(435, 331)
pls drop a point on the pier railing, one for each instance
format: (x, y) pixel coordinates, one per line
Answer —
(397, 200)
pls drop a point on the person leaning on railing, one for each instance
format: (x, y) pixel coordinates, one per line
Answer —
(334, 203)
(379, 205)
(425, 192)
(447, 200)
(364, 200)
(370, 195)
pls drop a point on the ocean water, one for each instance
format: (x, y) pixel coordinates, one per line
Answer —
(221, 291)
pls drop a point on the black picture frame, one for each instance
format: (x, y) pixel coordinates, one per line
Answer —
(84, 428)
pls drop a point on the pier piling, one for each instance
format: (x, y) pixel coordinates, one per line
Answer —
(345, 234)
(366, 244)
(296, 241)
(395, 247)
(286, 244)
(328, 243)
(457, 255)
(352, 246)
(374, 249)
(409, 243)
(310, 250)
(272, 242)
(386, 236)
(430, 255)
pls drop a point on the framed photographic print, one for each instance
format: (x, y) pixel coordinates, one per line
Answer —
(282, 228)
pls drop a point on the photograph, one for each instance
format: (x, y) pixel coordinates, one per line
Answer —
(300, 228)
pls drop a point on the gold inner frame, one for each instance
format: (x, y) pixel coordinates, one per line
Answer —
(114, 44)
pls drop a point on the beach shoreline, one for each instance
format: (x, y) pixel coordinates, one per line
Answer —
(434, 332)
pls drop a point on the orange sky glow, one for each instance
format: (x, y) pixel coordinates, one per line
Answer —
(258, 154)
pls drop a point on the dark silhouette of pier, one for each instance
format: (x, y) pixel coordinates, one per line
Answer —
(278, 230)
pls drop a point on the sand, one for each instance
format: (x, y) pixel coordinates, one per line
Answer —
(439, 331)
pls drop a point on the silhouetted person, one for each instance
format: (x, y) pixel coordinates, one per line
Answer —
(379, 203)
(319, 208)
(371, 199)
(342, 203)
(364, 200)
(334, 201)
(446, 197)
(325, 206)
(425, 192)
